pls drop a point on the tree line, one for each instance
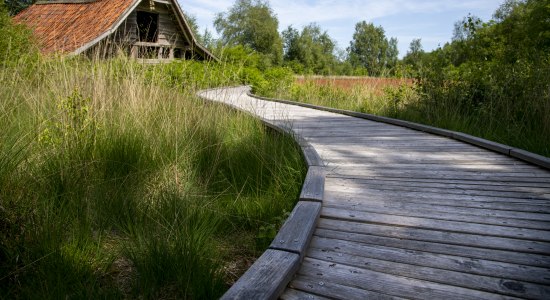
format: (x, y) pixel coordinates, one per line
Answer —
(253, 26)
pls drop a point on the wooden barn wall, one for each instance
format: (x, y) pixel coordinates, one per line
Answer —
(169, 32)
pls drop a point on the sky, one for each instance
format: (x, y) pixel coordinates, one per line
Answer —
(430, 20)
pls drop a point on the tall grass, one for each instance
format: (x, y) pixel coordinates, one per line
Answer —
(116, 181)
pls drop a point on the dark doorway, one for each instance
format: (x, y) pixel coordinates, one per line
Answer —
(147, 26)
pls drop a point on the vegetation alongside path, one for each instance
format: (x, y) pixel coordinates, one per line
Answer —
(116, 181)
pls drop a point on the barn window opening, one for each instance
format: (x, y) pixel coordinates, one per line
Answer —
(148, 52)
(178, 53)
(147, 26)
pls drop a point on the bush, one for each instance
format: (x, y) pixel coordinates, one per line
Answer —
(16, 41)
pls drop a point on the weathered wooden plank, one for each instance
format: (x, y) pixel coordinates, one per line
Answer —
(359, 129)
(469, 185)
(432, 193)
(314, 185)
(343, 121)
(442, 215)
(335, 291)
(395, 159)
(514, 179)
(490, 167)
(524, 205)
(296, 232)
(385, 283)
(421, 153)
(292, 294)
(465, 181)
(380, 139)
(353, 134)
(437, 236)
(267, 278)
(513, 257)
(520, 177)
(357, 159)
(497, 285)
(456, 189)
(330, 249)
(452, 199)
(434, 208)
(442, 225)
(385, 142)
(410, 148)
(337, 125)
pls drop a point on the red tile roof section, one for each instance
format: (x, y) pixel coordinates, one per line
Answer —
(65, 27)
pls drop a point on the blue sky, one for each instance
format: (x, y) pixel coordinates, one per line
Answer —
(430, 20)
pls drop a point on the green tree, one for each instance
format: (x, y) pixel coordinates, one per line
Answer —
(15, 40)
(466, 28)
(370, 49)
(496, 74)
(291, 43)
(253, 24)
(204, 38)
(414, 56)
(392, 53)
(312, 50)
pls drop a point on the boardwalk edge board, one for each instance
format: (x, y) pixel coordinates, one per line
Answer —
(296, 233)
(313, 188)
(524, 155)
(268, 277)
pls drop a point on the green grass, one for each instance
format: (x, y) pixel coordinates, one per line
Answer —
(522, 125)
(117, 182)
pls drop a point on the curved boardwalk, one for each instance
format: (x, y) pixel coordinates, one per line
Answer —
(408, 214)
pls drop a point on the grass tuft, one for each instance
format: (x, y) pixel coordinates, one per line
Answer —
(117, 181)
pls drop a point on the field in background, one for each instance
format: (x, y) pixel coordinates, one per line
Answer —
(377, 84)
(381, 96)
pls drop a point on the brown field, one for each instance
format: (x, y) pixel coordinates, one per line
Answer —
(351, 82)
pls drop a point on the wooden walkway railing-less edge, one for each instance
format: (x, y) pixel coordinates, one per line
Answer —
(270, 274)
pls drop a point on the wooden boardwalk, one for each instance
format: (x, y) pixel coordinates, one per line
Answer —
(406, 214)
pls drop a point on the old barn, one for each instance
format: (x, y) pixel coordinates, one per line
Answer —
(149, 30)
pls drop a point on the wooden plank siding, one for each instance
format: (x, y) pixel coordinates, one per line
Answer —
(412, 215)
